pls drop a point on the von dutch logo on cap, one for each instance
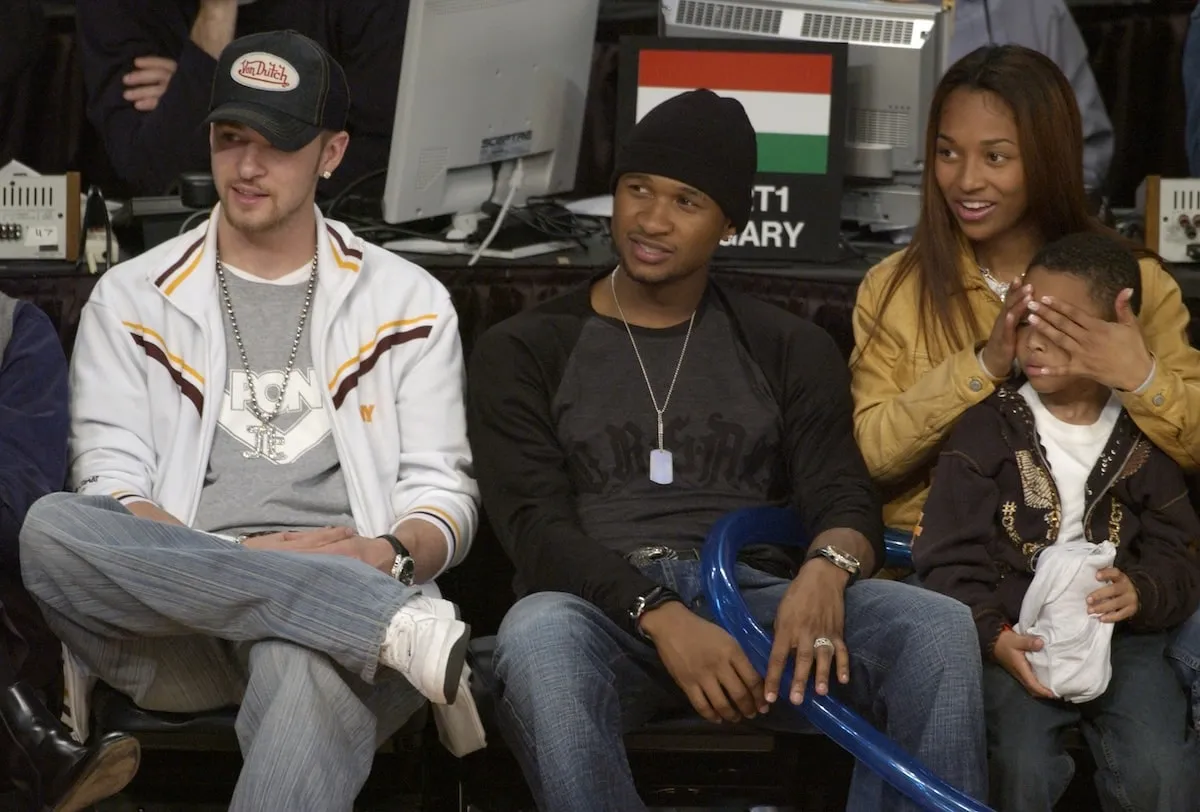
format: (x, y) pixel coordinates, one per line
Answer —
(263, 71)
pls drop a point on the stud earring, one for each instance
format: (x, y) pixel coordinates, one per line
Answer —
(327, 174)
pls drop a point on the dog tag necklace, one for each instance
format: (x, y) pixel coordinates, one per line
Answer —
(662, 468)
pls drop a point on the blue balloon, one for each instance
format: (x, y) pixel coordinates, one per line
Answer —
(850, 731)
(898, 546)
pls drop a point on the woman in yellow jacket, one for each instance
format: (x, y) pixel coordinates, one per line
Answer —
(935, 323)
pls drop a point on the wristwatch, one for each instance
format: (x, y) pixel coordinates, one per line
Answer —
(404, 568)
(842, 560)
(653, 599)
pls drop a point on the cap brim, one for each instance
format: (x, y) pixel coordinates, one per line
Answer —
(281, 130)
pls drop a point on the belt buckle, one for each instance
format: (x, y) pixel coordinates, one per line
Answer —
(648, 555)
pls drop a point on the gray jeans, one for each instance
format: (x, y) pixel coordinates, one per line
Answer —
(181, 621)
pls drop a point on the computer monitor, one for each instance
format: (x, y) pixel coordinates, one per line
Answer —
(491, 105)
(897, 54)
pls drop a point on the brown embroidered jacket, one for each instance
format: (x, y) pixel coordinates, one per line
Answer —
(993, 507)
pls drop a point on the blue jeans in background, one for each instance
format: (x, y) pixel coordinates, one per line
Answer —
(1191, 92)
(1184, 655)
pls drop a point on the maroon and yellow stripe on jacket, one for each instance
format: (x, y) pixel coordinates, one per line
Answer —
(189, 381)
(345, 257)
(441, 519)
(388, 335)
(181, 268)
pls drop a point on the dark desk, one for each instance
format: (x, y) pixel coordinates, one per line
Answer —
(493, 290)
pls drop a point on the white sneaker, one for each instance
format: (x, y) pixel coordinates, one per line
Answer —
(440, 607)
(427, 644)
(460, 728)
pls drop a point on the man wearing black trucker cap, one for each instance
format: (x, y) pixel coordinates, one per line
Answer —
(269, 449)
(613, 426)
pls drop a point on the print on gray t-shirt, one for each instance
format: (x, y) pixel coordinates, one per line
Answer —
(303, 486)
(722, 427)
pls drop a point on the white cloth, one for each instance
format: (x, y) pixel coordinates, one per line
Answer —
(1074, 663)
(1072, 451)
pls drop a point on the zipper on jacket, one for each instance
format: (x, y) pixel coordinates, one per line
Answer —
(1087, 514)
(210, 413)
(1037, 446)
(208, 421)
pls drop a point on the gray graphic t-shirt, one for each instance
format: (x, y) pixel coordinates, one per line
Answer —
(287, 476)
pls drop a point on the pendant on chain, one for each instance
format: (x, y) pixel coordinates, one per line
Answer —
(662, 466)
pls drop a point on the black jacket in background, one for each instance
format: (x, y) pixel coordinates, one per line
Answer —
(22, 36)
(34, 423)
(993, 508)
(150, 150)
(21, 29)
(522, 469)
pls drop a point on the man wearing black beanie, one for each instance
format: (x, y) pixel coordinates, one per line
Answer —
(613, 426)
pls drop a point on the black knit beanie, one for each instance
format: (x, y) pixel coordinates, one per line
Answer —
(701, 139)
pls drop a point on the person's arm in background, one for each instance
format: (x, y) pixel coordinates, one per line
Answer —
(1048, 27)
(1064, 44)
(1191, 91)
(21, 27)
(34, 422)
(149, 148)
(369, 45)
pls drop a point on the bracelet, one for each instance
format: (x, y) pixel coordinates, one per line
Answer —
(1149, 378)
(653, 599)
(983, 366)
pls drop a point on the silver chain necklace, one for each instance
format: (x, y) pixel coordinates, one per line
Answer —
(662, 469)
(999, 288)
(268, 436)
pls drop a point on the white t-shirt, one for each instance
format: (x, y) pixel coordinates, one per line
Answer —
(1072, 452)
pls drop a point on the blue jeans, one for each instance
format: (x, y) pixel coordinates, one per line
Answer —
(181, 621)
(573, 683)
(1183, 653)
(1145, 754)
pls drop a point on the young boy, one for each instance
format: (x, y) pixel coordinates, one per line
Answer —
(1047, 461)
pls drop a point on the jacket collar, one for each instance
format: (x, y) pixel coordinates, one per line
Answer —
(1125, 439)
(188, 276)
